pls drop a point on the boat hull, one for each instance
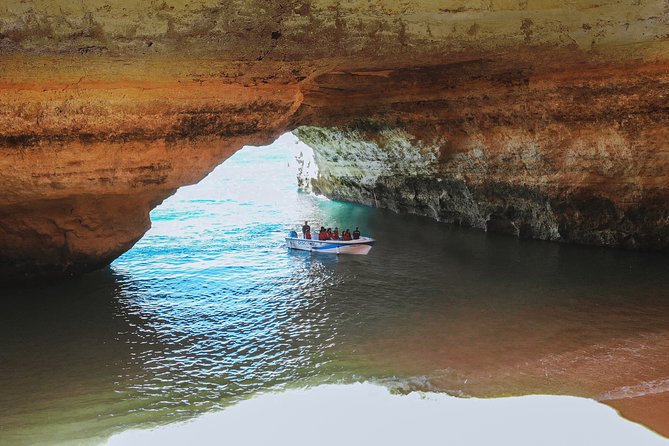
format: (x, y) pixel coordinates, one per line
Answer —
(361, 246)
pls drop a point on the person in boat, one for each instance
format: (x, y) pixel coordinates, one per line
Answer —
(329, 233)
(346, 236)
(335, 234)
(307, 234)
(323, 234)
(306, 228)
(356, 234)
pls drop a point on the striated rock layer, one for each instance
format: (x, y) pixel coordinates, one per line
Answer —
(579, 172)
(534, 118)
(79, 186)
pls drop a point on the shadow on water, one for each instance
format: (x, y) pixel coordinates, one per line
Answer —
(64, 350)
(481, 314)
(210, 308)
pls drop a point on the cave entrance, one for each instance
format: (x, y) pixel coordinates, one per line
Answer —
(252, 198)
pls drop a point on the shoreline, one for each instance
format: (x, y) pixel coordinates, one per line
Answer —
(651, 410)
(366, 413)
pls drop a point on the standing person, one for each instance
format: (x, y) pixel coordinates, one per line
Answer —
(356, 234)
(306, 228)
(335, 234)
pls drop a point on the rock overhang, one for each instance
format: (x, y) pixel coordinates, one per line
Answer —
(105, 103)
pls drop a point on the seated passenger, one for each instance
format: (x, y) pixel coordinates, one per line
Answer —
(356, 234)
(329, 233)
(307, 234)
(347, 236)
(323, 235)
(335, 234)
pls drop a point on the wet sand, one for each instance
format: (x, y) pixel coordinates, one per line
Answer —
(649, 410)
(370, 414)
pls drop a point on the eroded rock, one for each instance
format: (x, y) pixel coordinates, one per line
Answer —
(513, 192)
(537, 119)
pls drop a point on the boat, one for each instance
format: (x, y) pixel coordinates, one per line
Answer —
(360, 246)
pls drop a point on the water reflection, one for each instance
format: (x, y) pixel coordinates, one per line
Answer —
(210, 308)
(64, 355)
(367, 414)
(500, 316)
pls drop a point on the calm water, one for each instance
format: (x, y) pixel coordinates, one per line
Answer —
(209, 308)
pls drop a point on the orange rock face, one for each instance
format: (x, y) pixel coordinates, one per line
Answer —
(575, 154)
(82, 168)
(542, 120)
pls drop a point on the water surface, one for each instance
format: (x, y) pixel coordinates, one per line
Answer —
(210, 308)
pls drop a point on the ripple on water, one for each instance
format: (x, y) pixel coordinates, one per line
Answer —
(209, 308)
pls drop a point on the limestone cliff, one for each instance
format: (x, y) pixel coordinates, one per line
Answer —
(586, 174)
(538, 118)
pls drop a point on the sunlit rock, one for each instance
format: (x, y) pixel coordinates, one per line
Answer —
(539, 119)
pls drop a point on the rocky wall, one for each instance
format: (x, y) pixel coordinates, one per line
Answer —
(538, 118)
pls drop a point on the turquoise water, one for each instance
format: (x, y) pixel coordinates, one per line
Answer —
(210, 308)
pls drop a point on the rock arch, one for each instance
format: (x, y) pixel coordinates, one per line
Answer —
(546, 122)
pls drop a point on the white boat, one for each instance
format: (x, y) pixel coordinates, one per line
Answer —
(360, 246)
